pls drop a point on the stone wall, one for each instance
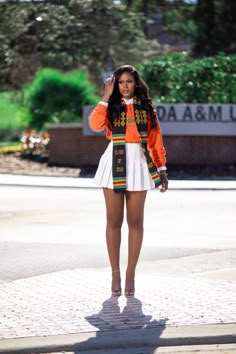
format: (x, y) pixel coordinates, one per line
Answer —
(69, 147)
(200, 149)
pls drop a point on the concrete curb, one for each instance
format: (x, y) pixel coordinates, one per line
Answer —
(153, 337)
(75, 182)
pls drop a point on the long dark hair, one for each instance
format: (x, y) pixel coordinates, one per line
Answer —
(141, 92)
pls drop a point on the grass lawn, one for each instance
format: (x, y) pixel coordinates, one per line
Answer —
(9, 143)
(9, 117)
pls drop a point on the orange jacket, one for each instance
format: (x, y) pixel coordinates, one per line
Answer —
(99, 121)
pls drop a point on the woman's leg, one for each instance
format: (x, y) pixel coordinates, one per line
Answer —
(135, 214)
(114, 213)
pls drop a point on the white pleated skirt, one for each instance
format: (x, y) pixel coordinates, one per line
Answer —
(138, 177)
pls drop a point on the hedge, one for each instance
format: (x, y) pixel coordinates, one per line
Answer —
(178, 78)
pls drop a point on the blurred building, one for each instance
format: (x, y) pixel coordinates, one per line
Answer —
(157, 30)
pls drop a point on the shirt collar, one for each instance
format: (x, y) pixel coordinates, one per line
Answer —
(128, 100)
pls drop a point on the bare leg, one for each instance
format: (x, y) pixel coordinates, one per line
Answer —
(115, 212)
(135, 213)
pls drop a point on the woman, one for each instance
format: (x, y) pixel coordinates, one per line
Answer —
(133, 163)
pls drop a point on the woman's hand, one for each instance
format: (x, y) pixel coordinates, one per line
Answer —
(164, 181)
(108, 88)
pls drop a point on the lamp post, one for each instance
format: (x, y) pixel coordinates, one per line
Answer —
(38, 19)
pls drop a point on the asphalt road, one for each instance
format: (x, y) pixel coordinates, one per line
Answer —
(43, 230)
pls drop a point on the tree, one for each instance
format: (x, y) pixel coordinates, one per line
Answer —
(207, 36)
(179, 21)
(215, 27)
(176, 15)
(145, 7)
(75, 34)
(209, 25)
(229, 26)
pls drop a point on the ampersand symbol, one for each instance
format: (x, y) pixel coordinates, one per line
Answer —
(200, 114)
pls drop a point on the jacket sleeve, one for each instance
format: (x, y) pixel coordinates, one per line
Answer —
(98, 119)
(155, 147)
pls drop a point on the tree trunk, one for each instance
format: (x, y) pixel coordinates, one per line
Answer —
(145, 12)
(129, 3)
(205, 42)
(229, 26)
(216, 29)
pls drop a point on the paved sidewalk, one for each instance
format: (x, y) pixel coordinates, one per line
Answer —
(72, 182)
(74, 307)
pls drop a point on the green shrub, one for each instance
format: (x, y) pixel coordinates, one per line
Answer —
(11, 124)
(178, 78)
(156, 72)
(9, 144)
(57, 97)
(9, 107)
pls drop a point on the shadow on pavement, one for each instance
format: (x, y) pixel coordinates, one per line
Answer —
(122, 328)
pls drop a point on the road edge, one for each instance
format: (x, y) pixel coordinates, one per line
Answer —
(157, 336)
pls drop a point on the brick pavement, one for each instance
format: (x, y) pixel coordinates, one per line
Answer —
(78, 301)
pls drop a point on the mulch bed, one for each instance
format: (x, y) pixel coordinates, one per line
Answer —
(16, 164)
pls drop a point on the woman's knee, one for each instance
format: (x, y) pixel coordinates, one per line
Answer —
(135, 222)
(114, 221)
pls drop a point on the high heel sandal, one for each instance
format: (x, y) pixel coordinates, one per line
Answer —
(116, 291)
(129, 291)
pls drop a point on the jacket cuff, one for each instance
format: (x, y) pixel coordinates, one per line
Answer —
(104, 103)
(161, 168)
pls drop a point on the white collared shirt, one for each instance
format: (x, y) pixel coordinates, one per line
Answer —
(127, 101)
